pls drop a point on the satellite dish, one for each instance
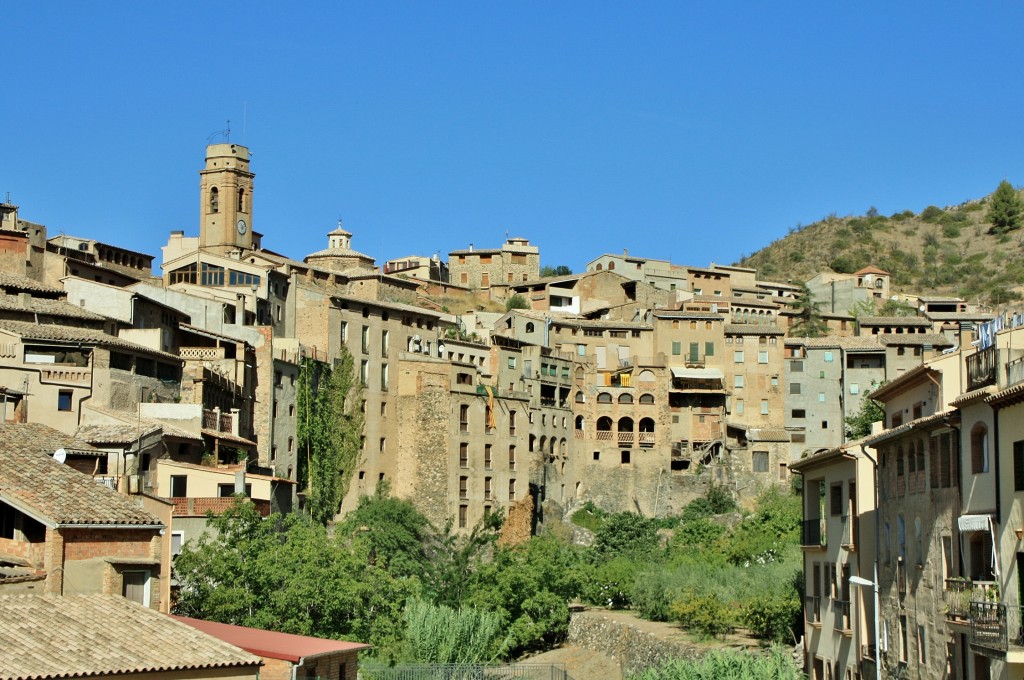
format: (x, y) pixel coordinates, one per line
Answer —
(60, 455)
(440, 349)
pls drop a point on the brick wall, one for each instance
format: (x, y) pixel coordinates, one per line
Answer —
(199, 507)
(85, 544)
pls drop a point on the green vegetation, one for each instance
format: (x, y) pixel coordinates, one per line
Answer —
(964, 250)
(859, 424)
(809, 323)
(1005, 211)
(560, 270)
(422, 594)
(727, 665)
(517, 301)
(329, 428)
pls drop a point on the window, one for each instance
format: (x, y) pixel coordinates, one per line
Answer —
(179, 486)
(764, 407)
(836, 499)
(794, 388)
(366, 339)
(854, 388)
(463, 455)
(464, 418)
(796, 366)
(177, 540)
(738, 381)
(677, 348)
(383, 443)
(624, 458)
(135, 586)
(463, 488)
(487, 456)
(512, 423)
(228, 490)
(214, 200)
(828, 357)
(798, 413)
(739, 407)
(385, 336)
(487, 488)
(463, 511)
(511, 489)
(64, 400)
(383, 376)
(1018, 466)
(979, 449)
(760, 461)
(511, 362)
(762, 356)
(737, 356)
(512, 458)
(821, 397)
(364, 372)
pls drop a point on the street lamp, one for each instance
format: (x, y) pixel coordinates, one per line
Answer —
(866, 583)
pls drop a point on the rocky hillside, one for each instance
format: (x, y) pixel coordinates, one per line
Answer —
(950, 250)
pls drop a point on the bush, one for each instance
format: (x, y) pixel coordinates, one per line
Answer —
(625, 533)
(951, 230)
(704, 614)
(931, 213)
(773, 617)
(517, 301)
(726, 663)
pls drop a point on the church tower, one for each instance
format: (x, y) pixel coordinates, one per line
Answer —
(225, 199)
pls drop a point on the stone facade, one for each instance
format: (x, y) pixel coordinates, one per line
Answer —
(515, 261)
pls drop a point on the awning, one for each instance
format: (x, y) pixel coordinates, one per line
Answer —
(697, 373)
(969, 523)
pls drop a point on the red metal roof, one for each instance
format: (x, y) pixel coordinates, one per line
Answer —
(269, 644)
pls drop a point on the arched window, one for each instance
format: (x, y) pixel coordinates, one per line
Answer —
(626, 398)
(241, 199)
(580, 398)
(647, 398)
(579, 375)
(543, 443)
(646, 427)
(979, 448)
(611, 266)
(563, 447)
(625, 431)
(599, 267)
(604, 424)
(604, 398)
(529, 327)
(646, 376)
(579, 423)
(533, 442)
(551, 446)
(214, 200)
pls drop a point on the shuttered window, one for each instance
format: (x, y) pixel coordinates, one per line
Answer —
(1018, 466)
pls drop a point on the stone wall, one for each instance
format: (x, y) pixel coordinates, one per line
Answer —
(634, 649)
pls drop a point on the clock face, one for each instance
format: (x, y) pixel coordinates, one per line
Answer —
(241, 226)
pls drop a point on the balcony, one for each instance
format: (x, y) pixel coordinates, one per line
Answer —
(1015, 371)
(812, 609)
(958, 593)
(813, 534)
(981, 369)
(646, 439)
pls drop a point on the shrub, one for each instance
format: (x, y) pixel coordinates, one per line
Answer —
(931, 213)
(951, 230)
(517, 301)
(704, 614)
(726, 663)
(625, 533)
(773, 617)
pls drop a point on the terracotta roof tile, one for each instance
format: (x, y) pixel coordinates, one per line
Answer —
(32, 479)
(50, 307)
(86, 635)
(893, 321)
(86, 336)
(933, 339)
(15, 283)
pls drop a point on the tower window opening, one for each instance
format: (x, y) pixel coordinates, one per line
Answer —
(241, 199)
(214, 200)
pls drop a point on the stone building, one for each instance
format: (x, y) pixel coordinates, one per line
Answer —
(514, 262)
(843, 292)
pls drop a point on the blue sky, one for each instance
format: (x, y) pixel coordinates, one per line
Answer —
(697, 132)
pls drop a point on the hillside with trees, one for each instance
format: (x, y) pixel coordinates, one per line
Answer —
(971, 250)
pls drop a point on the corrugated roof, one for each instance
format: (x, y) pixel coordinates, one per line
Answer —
(86, 336)
(31, 479)
(88, 635)
(270, 644)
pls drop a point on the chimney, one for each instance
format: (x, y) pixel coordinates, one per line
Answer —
(470, 247)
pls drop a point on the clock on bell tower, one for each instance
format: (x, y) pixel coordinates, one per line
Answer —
(225, 199)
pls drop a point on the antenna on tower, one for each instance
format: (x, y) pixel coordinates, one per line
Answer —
(226, 134)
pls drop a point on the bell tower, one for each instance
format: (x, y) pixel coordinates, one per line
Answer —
(225, 199)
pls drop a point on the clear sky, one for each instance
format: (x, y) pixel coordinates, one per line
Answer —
(692, 131)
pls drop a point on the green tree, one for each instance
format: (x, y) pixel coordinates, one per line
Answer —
(560, 270)
(859, 424)
(285, 573)
(627, 534)
(809, 323)
(389, 532)
(517, 301)
(329, 428)
(1005, 211)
